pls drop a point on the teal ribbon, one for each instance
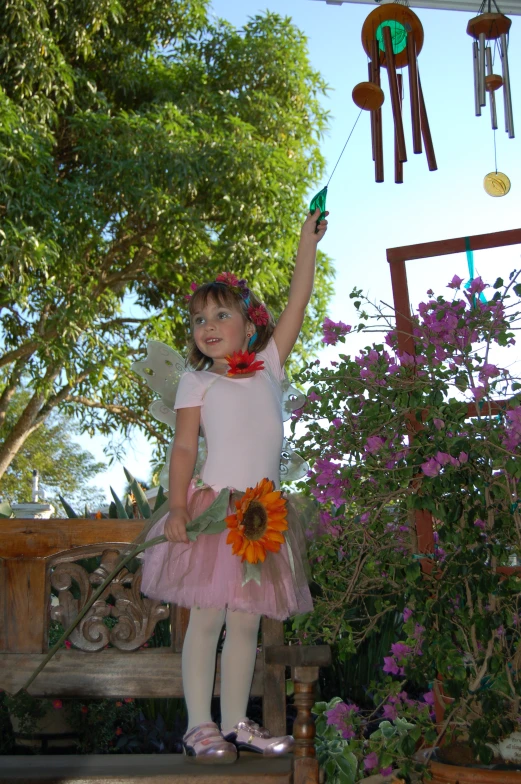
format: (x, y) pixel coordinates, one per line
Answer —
(470, 262)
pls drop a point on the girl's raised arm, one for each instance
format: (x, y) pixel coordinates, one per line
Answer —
(290, 323)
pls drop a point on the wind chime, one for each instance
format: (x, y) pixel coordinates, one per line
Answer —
(490, 32)
(392, 36)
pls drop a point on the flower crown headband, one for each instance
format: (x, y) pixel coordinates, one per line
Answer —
(258, 315)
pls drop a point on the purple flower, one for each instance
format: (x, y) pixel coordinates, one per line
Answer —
(374, 444)
(371, 761)
(313, 396)
(400, 649)
(438, 423)
(390, 665)
(406, 614)
(390, 712)
(463, 457)
(333, 330)
(386, 771)
(431, 467)
(455, 282)
(429, 697)
(479, 392)
(477, 286)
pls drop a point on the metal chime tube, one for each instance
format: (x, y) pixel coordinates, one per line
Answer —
(378, 137)
(475, 52)
(413, 91)
(493, 113)
(481, 61)
(398, 165)
(509, 117)
(395, 94)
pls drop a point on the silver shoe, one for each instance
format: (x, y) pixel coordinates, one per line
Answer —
(248, 736)
(205, 745)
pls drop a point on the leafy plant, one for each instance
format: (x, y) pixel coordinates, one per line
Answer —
(125, 511)
(351, 744)
(389, 434)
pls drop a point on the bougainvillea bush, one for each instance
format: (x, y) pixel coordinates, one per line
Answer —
(390, 434)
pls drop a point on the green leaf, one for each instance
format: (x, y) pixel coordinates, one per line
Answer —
(120, 509)
(139, 495)
(68, 509)
(160, 498)
(211, 521)
(5, 509)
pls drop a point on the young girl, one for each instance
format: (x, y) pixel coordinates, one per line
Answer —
(238, 406)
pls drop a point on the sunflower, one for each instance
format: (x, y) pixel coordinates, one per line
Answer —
(241, 362)
(258, 523)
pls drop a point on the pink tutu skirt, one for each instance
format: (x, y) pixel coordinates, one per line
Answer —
(205, 573)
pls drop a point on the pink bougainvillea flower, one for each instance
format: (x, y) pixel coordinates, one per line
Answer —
(477, 286)
(68, 644)
(57, 704)
(431, 467)
(371, 761)
(406, 614)
(455, 282)
(374, 444)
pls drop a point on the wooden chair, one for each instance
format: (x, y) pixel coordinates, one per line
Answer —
(38, 555)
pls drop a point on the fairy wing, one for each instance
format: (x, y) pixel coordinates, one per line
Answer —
(292, 466)
(292, 398)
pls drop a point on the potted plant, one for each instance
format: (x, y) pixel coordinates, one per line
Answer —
(391, 436)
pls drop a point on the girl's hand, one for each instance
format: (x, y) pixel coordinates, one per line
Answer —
(307, 233)
(175, 525)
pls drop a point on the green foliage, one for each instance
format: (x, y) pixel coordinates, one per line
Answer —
(63, 466)
(388, 435)
(351, 745)
(140, 148)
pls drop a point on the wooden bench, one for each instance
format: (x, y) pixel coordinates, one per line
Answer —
(38, 557)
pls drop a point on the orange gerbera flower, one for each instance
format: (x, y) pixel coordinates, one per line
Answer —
(258, 523)
(241, 362)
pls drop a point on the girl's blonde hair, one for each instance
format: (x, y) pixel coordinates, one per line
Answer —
(230, 297)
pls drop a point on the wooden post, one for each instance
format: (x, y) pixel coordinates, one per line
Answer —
(274, 702)
(305, 765)
(395, 93)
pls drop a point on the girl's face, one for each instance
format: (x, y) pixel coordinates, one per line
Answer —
(220, 330)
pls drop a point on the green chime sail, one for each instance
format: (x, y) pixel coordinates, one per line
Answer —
(319, 202)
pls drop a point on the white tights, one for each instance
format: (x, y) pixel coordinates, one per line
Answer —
(237, 664)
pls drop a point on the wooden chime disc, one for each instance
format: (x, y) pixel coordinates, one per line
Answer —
(493, 82)
(368, 96)
(405, 19)
(492, 25)
(496, 184)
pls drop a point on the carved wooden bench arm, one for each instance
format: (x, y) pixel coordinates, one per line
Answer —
(304, 661)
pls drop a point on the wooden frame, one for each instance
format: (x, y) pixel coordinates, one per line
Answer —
(402, 306)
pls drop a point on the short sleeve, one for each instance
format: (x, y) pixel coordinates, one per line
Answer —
(271, 358)
(190, 391)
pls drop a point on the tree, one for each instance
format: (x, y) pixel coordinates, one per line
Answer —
(63, 466)
(140, 148)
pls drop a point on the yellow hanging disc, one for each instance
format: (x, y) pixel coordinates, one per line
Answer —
(496, 184)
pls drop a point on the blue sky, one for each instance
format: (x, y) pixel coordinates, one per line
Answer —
(366, 218)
